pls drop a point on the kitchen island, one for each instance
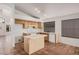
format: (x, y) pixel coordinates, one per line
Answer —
(33, 43)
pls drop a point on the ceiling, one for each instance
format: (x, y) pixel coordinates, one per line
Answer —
(47, 10)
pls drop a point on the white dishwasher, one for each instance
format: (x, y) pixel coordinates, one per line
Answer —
(52, 37)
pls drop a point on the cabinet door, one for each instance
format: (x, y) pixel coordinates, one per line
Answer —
(39, 25)
(17, 21)
(26, 24)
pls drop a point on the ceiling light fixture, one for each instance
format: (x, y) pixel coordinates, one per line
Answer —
(37, 10)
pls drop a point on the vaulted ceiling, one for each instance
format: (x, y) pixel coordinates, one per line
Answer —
(47, 10)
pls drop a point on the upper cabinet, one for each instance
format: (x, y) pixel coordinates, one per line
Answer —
(17, 21)
(27, 24)
(39, 25)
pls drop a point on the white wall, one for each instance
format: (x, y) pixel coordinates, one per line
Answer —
(8, 15)
(66, 40)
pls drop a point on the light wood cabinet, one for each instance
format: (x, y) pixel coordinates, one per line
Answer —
(39, 25)
(27, 23)
(17, 21)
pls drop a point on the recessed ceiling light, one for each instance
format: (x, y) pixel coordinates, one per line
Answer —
(37, 10)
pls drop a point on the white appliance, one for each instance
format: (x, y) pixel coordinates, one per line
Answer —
(52, 37)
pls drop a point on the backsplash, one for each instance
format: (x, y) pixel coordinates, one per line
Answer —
(31, 30)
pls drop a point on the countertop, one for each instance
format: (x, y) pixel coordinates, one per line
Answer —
(35, 35)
